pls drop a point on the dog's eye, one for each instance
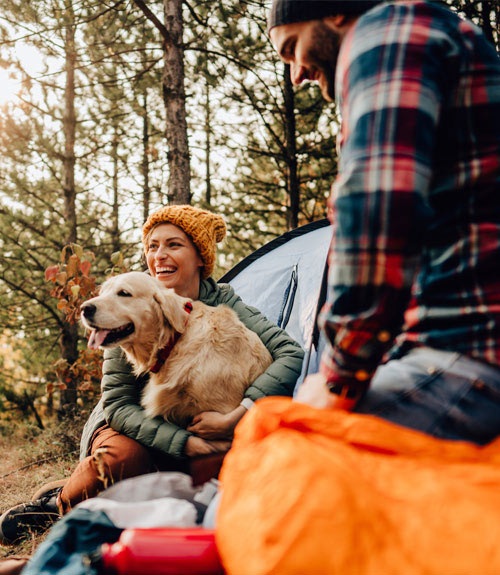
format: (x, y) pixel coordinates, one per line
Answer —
(124, 293)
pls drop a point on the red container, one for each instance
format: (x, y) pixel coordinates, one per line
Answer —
(162, 552)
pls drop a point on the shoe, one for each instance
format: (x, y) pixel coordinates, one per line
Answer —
(35, 516)
(12, 565)
(52, 488)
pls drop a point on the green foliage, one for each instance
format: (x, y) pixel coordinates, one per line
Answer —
(244, 159)
(252, 186)
(485, 13)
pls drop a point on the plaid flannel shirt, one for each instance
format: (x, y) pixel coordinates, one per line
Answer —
(416, 205)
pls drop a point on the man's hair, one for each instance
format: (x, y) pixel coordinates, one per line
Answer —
(290, 11)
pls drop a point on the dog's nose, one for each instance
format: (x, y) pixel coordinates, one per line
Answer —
(88, 310)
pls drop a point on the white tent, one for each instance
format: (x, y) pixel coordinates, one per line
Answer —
(284, 280)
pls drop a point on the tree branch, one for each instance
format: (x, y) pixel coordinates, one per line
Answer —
(152, 18)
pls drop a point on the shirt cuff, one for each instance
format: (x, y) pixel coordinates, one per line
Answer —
(344, 373)
(247, 403)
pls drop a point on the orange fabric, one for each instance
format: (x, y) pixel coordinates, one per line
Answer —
(308, 491)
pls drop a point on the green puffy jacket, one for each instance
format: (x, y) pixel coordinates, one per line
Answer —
(121, 389)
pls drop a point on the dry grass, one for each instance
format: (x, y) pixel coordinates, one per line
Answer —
(31, 458)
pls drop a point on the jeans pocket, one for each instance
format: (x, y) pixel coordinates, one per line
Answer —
(476, 416)
(487, 389)
(399, 382)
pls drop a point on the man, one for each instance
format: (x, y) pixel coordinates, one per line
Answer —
(415, 259)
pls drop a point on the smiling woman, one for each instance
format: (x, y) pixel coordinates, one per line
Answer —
(180, 249)
(9, 86)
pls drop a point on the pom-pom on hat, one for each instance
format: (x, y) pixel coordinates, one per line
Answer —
(290, 11)
(203, 227)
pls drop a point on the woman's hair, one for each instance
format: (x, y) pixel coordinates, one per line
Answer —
(204, 228)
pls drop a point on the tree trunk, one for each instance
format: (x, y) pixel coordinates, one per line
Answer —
(69, 336)
(69, 351)
(115, 231)
(174, 97)
(146, 192)
(69, 127)
(291, 152)
(208, 138)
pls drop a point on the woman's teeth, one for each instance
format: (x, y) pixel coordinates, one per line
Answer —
(166, 270)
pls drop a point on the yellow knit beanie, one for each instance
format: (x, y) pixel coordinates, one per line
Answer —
(203, 227)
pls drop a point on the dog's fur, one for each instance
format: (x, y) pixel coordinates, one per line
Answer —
(209, 368)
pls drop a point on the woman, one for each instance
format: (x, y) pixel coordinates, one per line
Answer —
(119, 441)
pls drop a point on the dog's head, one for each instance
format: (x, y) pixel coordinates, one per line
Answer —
(133, 307)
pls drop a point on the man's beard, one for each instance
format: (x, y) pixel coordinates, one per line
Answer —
(324, 54)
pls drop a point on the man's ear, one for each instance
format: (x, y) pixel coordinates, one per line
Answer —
(339, 22)
(172, 309)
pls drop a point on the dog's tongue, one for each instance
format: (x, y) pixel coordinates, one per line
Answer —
(97, 336)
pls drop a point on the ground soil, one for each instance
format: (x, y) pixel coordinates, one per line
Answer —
(29, 459)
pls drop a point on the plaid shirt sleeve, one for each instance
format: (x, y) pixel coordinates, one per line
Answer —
(390, 85)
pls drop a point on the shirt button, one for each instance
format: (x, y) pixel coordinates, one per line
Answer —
(384, 336)
(362, 375)
(431, 370)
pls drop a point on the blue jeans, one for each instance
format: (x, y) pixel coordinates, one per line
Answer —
(441, 393)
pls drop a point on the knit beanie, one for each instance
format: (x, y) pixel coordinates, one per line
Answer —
(203, 227)
(290, 11)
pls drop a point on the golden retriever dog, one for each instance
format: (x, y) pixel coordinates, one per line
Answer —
(212, 356)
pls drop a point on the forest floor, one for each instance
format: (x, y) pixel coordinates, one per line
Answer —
(30, 458)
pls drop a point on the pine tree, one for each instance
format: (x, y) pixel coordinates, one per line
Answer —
(174, 97)
(279, 142)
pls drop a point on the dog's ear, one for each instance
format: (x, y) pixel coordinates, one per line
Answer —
(172, 309)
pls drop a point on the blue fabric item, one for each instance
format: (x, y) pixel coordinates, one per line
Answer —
(70, 541)
(442, 393)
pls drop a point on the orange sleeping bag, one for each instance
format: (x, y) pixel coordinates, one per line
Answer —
(308, 491)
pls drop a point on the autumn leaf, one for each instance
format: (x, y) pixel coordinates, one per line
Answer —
(75, 291)
(77, 250)
(85, 268)
(61, 278)
(72, 268)
(64, 252)
(51, 272)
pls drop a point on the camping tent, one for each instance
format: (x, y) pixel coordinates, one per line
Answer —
(285, 280)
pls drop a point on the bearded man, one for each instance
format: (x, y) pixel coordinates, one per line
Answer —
(412, 318)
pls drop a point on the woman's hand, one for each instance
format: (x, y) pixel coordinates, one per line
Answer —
(314, 391)
(215, 425)
(198, 446)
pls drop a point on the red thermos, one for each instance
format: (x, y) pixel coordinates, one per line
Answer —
(164, 551)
